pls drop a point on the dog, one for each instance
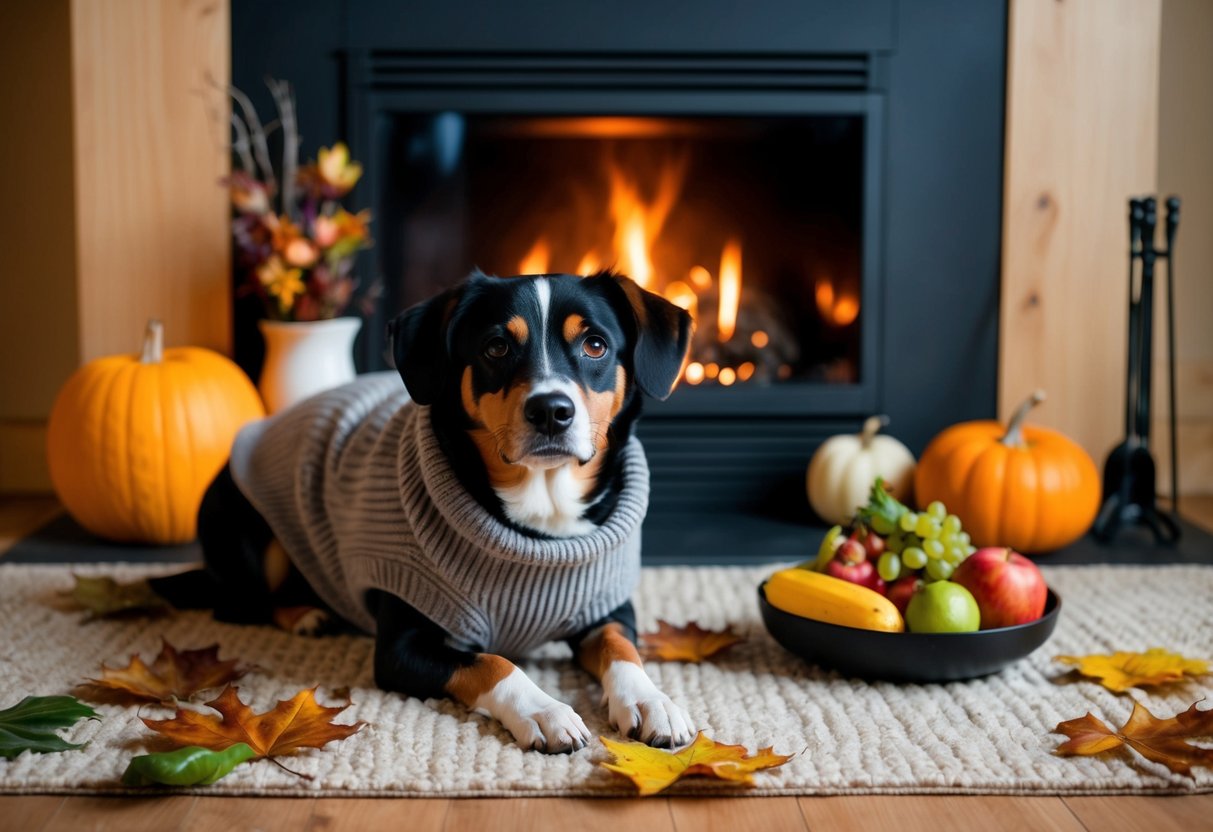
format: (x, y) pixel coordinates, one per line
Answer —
(497, 502)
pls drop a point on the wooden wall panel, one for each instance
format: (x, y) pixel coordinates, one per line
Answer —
(1082, 128)
(152, 217)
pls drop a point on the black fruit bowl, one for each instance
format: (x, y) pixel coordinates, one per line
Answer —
(907, 657)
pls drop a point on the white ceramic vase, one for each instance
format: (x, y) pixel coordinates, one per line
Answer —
(303, 358)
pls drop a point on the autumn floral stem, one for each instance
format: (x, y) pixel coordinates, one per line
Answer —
(274, 760)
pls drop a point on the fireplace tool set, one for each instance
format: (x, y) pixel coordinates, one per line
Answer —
(1129, 494)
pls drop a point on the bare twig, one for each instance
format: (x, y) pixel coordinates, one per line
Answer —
(241, 146)
(261, 150)
(284, 99)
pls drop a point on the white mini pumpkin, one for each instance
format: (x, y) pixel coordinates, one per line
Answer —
(842, 471)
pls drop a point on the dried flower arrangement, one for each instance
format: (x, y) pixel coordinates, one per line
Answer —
(294, 240)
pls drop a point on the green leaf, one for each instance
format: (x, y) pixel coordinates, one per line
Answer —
(190, 766)
(30, 725)
(104, 596)
(881, 503)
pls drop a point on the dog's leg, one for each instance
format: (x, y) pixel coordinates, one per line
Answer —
(412, 656)
(634, 704)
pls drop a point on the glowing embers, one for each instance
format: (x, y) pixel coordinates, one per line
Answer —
(633, 215)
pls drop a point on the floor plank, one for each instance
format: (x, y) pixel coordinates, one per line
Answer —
(359, 814)
(109, 814)
(28, 813)
(539, 814)
(736, 814)
(940, 813)
(1144, 814)
(263, 814)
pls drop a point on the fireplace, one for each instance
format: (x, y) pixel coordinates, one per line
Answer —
(818, 185)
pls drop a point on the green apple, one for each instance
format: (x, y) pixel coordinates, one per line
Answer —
(943, 607)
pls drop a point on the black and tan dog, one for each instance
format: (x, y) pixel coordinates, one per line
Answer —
(533, 385)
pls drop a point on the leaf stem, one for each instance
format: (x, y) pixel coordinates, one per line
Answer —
(274, 760)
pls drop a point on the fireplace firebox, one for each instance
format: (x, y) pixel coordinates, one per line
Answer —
(817, 183)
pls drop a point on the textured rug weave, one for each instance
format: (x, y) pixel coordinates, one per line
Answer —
(983, 736)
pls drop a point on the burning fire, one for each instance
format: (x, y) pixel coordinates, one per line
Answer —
(633, 222)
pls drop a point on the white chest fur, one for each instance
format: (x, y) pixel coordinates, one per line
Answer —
(548, 500)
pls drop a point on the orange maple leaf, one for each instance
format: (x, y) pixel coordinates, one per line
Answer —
(299, 722)
(1120, 671)
(1159, 740)
(653, 769)
(691, 643)
(173, 674)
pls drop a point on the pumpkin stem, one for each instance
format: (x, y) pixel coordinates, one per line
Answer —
(871, 426)
(1013, 438)
(153, 343)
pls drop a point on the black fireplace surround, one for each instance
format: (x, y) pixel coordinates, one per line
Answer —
(919, 84)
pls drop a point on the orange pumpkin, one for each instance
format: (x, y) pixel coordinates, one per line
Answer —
(1026, 487)
(134, 440)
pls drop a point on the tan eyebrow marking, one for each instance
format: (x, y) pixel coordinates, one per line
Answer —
(518, 328)
(574, 325)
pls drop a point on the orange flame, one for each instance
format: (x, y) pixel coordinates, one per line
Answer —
(638, 222)
(590, 264)
(536, 260)
(837, 308)
(730, 290)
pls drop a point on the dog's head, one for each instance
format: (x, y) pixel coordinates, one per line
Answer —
(542, 367)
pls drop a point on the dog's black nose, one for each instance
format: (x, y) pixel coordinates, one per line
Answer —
(550, 413)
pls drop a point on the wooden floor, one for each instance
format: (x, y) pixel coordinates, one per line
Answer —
(655, 814)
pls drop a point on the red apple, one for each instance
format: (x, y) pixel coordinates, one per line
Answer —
(1008, 587)
(851, 552)
(901, 590)
(873, 544)
(863, 573)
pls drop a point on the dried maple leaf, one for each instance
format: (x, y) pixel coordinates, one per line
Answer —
(299, 722)
(1159, 740)
(104, 597)
(1120, 671)
(691, 643)
(173, 674)
(653, 769)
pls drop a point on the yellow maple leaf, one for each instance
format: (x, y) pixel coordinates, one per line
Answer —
(690, 643)
(1120, 671)
(1158, 740)
(653, 769)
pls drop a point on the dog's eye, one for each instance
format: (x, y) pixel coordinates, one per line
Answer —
(594, 347)
(497, 348)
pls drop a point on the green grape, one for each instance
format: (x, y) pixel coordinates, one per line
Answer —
(954, 555)
(889, 566)
(933, 548)
(922, 525)
(895, 542)
(914, 558)
(951, 524)
(947, 539)
(908, 521)
(937, 510)
(881, 524)
(963, 539)
(970, 550)
(939, 570)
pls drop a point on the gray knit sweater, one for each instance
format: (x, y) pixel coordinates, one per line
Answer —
(356, 488)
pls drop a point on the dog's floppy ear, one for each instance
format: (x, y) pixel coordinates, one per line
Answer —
(420, 352)
(663, 334)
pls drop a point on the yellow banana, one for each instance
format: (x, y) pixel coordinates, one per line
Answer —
(833, 600)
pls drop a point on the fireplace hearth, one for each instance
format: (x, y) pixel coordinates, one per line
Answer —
(818, 183)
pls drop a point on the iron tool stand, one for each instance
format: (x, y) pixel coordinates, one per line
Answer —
(1129, 493)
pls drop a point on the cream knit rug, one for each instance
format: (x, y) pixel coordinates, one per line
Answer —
(849, 737)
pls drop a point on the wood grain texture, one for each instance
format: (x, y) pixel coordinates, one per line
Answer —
(103, 814)
(23, 468)
(1081, 138)
(1181, 813)
(354, 815)
(228, 814)
(151, 131)
(28, 813)
(943, 813)
(20, 516)
(559, 815)
(737, 814)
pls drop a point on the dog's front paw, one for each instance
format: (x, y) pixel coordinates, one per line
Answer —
(556, 729)
(637, 709)
(303, 621)
(536, 720)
